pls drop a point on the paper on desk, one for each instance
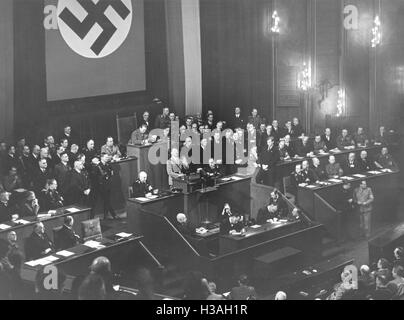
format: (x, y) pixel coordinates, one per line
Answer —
(311, 187)
(65, 253)
(152, 197)
(4, 227)
(375, 172)
(256, 226)
(32, 263)
(51, 258)
(21, 221)
(72, 210)
(142, 199)
(94, 244)
(387, 170)
(335, 180)
(359, 176)
(124, 235)
(43, 262)
(236, 178)
(44, 215)
(347, 178)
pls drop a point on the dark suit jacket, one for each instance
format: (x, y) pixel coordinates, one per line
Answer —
(66, 238)
(140, 189)
(35, 245)
(365, 165)
(330, 143)
(5, 212)
(50, 200)
(235, 122)
(302, 150)
(61, 174)
(351, 169)
(76, 185)
(269, 157)
(264, 215)
(39, 179)
(319, 173)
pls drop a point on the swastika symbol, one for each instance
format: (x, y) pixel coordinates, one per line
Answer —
(109, 18)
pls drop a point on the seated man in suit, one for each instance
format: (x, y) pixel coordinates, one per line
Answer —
(333, 168)
(184, 226)
(30, 207)
(385, 160)
(38, 244)
(329, 139)
(318, 171)
(307, 173)
(344, 141)
(364, 163)
(66, 236)
(234, 224)
(352, 165)
(304, 149)
(141, 187)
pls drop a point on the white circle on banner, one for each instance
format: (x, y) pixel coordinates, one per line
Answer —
(94, 28)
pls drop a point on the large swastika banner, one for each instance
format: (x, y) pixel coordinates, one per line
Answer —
(98, 48)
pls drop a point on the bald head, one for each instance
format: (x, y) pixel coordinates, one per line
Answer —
(181, 218)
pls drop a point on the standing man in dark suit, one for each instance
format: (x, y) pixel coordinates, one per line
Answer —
(66, 236)
(145, 121)
(40, 175)
(38, 244)
(163, 120)
(77, 185)
(237, 120)
(267, 161)
(61, 172)
(104, 174)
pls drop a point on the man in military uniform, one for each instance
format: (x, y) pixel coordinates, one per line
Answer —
(141, 187)
(139, 136)
(385, 160)
(104, 174)
(163, 120)
(344, 140)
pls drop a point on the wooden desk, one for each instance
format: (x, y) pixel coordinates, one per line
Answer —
(206, 206)
(233, 243)
(125, 174)
(157, 173)
(23, 231)
(118, 252)
(169, 206)
(384, 186)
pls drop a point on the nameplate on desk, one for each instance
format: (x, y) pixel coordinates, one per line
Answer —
(65, 253)
(73, 210)
(4, 227)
